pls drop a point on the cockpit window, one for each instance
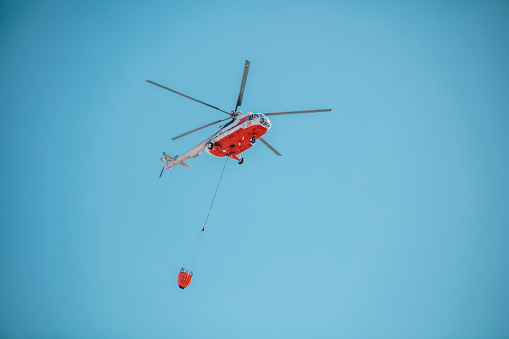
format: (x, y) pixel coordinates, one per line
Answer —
(265, 121)
(229, 123)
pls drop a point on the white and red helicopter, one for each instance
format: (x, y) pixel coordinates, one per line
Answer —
(234, 137)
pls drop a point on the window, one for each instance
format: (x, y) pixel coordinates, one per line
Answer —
(229, 123)
(265, 121)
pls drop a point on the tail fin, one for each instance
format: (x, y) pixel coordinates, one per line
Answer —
(166, 163)
(169, 162)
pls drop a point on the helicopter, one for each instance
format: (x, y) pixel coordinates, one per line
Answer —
(234, 137)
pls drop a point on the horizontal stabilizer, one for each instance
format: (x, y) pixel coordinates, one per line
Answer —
(167, 164)
(168, 157)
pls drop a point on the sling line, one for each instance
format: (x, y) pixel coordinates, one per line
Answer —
(205, 224)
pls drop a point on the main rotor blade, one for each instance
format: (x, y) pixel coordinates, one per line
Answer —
(186, 96)
(298, 112)
(197, 129)
(269, 146)
(242, 85)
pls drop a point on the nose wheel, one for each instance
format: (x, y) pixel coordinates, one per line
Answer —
(241, 161)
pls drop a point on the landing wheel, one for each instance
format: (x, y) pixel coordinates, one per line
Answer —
(241, 161)
(252, 140)
(210, 145)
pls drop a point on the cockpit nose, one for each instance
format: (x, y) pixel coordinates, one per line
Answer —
(264, 120)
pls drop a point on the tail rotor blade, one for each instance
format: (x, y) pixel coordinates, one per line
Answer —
(269, 146)
(299, 112)
(186, 96)
(242, 85)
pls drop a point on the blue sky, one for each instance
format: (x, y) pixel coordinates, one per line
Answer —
(385, 218)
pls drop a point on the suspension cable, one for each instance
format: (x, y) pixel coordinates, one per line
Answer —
(205, 224)
(193, 255)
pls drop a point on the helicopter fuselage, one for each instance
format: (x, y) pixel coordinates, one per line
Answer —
(231, 140)
(238, 135)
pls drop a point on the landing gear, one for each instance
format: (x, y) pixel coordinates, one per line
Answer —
(252, 140)
(210, 146)
(241, 160)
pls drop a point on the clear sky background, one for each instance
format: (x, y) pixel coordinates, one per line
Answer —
(385, 218)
